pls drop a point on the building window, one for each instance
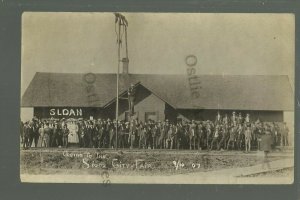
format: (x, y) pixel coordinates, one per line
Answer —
(151, 116)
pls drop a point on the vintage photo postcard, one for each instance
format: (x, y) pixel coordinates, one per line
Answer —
(157, 98)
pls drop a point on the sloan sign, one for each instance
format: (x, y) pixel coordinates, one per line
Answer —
(62, 112)
(67, 112)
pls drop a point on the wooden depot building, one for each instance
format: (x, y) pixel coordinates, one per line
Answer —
(158, 97)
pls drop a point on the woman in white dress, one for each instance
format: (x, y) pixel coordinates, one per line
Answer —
(73, 136)
(41, 135)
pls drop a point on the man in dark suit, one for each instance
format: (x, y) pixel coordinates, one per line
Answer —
(131, 95)
(218, 120)
(47, 133)
(240, 119)
(223, 135)
(65, 133)
(27, 131)
(54, 142)
(248, 138)
(22, 131)
(32, 133)
(233, 119)
(232, 137)
(265, 145)
(225, 120)
(132, 132)
(215, 137)
(284, 135)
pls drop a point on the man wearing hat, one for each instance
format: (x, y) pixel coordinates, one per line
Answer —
(225, 120)
(266, 142)
(65, 134)
(34, 132)
(233, 119)
(126, 136)
(239, 138)
(131, 93)
(27, 131)
(247, 119)
(154, 132)
(218, 119)
(47, 132)
(22, 131)
(232, 137)
(248, 137)
(284, 135)
(224, 136)
(54, 142)
(132, 132)
(258, 131)
(240, 119)
(276, 134)
(215, 137)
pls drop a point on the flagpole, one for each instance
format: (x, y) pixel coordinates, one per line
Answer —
(118, 71)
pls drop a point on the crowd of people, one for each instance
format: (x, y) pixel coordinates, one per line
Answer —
(233, 132)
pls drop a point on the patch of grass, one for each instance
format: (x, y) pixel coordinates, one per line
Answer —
(54, 162)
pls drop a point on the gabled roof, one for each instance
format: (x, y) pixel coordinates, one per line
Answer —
(238, 92)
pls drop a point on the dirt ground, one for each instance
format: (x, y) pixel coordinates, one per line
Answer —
(287, 172)
(135, 162)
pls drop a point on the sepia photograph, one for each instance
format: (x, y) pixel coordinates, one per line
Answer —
(157, 98)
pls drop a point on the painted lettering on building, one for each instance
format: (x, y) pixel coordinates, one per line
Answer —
(66, 112)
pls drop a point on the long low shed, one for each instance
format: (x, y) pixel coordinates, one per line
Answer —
(159, 97)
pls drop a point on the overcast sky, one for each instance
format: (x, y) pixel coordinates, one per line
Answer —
(158, 43)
